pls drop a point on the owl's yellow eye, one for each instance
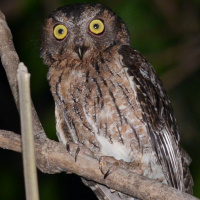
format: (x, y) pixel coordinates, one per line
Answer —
(60, 32)
(96, 26)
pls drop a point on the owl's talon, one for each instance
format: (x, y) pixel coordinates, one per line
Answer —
(103, 160)
(112, 169)
(77, 152)
(107, 173)
(68, 149)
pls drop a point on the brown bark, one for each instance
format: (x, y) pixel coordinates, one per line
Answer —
(52, 157)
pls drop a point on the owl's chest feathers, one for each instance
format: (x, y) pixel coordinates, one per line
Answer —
(99, 106)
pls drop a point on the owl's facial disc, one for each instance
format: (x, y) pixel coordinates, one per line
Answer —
(81, 31)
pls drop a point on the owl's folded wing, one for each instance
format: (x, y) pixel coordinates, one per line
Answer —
(158, 116)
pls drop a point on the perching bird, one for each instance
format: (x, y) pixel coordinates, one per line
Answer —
(108, 98)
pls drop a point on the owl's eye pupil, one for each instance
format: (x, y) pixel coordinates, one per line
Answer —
(60, 31)
(96, 26)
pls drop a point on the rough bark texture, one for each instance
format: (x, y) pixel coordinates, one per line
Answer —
(52, 157)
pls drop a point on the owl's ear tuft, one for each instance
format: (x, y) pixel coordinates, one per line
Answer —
(123, 35)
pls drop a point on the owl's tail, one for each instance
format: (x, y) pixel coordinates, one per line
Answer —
(104, 193)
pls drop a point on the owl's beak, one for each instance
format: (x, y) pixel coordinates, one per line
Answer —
(80, 50)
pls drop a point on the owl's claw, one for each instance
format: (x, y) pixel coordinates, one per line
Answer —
(77, 149)
(107, 174)
(77, 152)
(111, 169)
(68, 149)
(115, 165)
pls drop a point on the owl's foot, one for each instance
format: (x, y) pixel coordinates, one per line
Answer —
(68, 147)
(79, 148)
(115, 165)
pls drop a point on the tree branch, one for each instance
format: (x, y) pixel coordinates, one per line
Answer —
(10, 61)
(52, 157)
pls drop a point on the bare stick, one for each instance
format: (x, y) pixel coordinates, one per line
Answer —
(30, 173)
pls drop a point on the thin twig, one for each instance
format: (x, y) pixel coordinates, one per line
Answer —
(30, 173)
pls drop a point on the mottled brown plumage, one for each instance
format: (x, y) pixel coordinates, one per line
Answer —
(108, 97)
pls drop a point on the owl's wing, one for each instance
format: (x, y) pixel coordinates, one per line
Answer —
(157, 114)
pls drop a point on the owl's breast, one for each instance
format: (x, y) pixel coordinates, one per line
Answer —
(98, 103)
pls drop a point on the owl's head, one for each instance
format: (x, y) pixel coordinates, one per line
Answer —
(80, 31)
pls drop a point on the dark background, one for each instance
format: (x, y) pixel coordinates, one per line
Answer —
(166, 32)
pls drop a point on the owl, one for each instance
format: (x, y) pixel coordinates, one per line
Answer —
(108, 98)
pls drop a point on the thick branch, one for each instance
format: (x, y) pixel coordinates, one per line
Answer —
(52, 157)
